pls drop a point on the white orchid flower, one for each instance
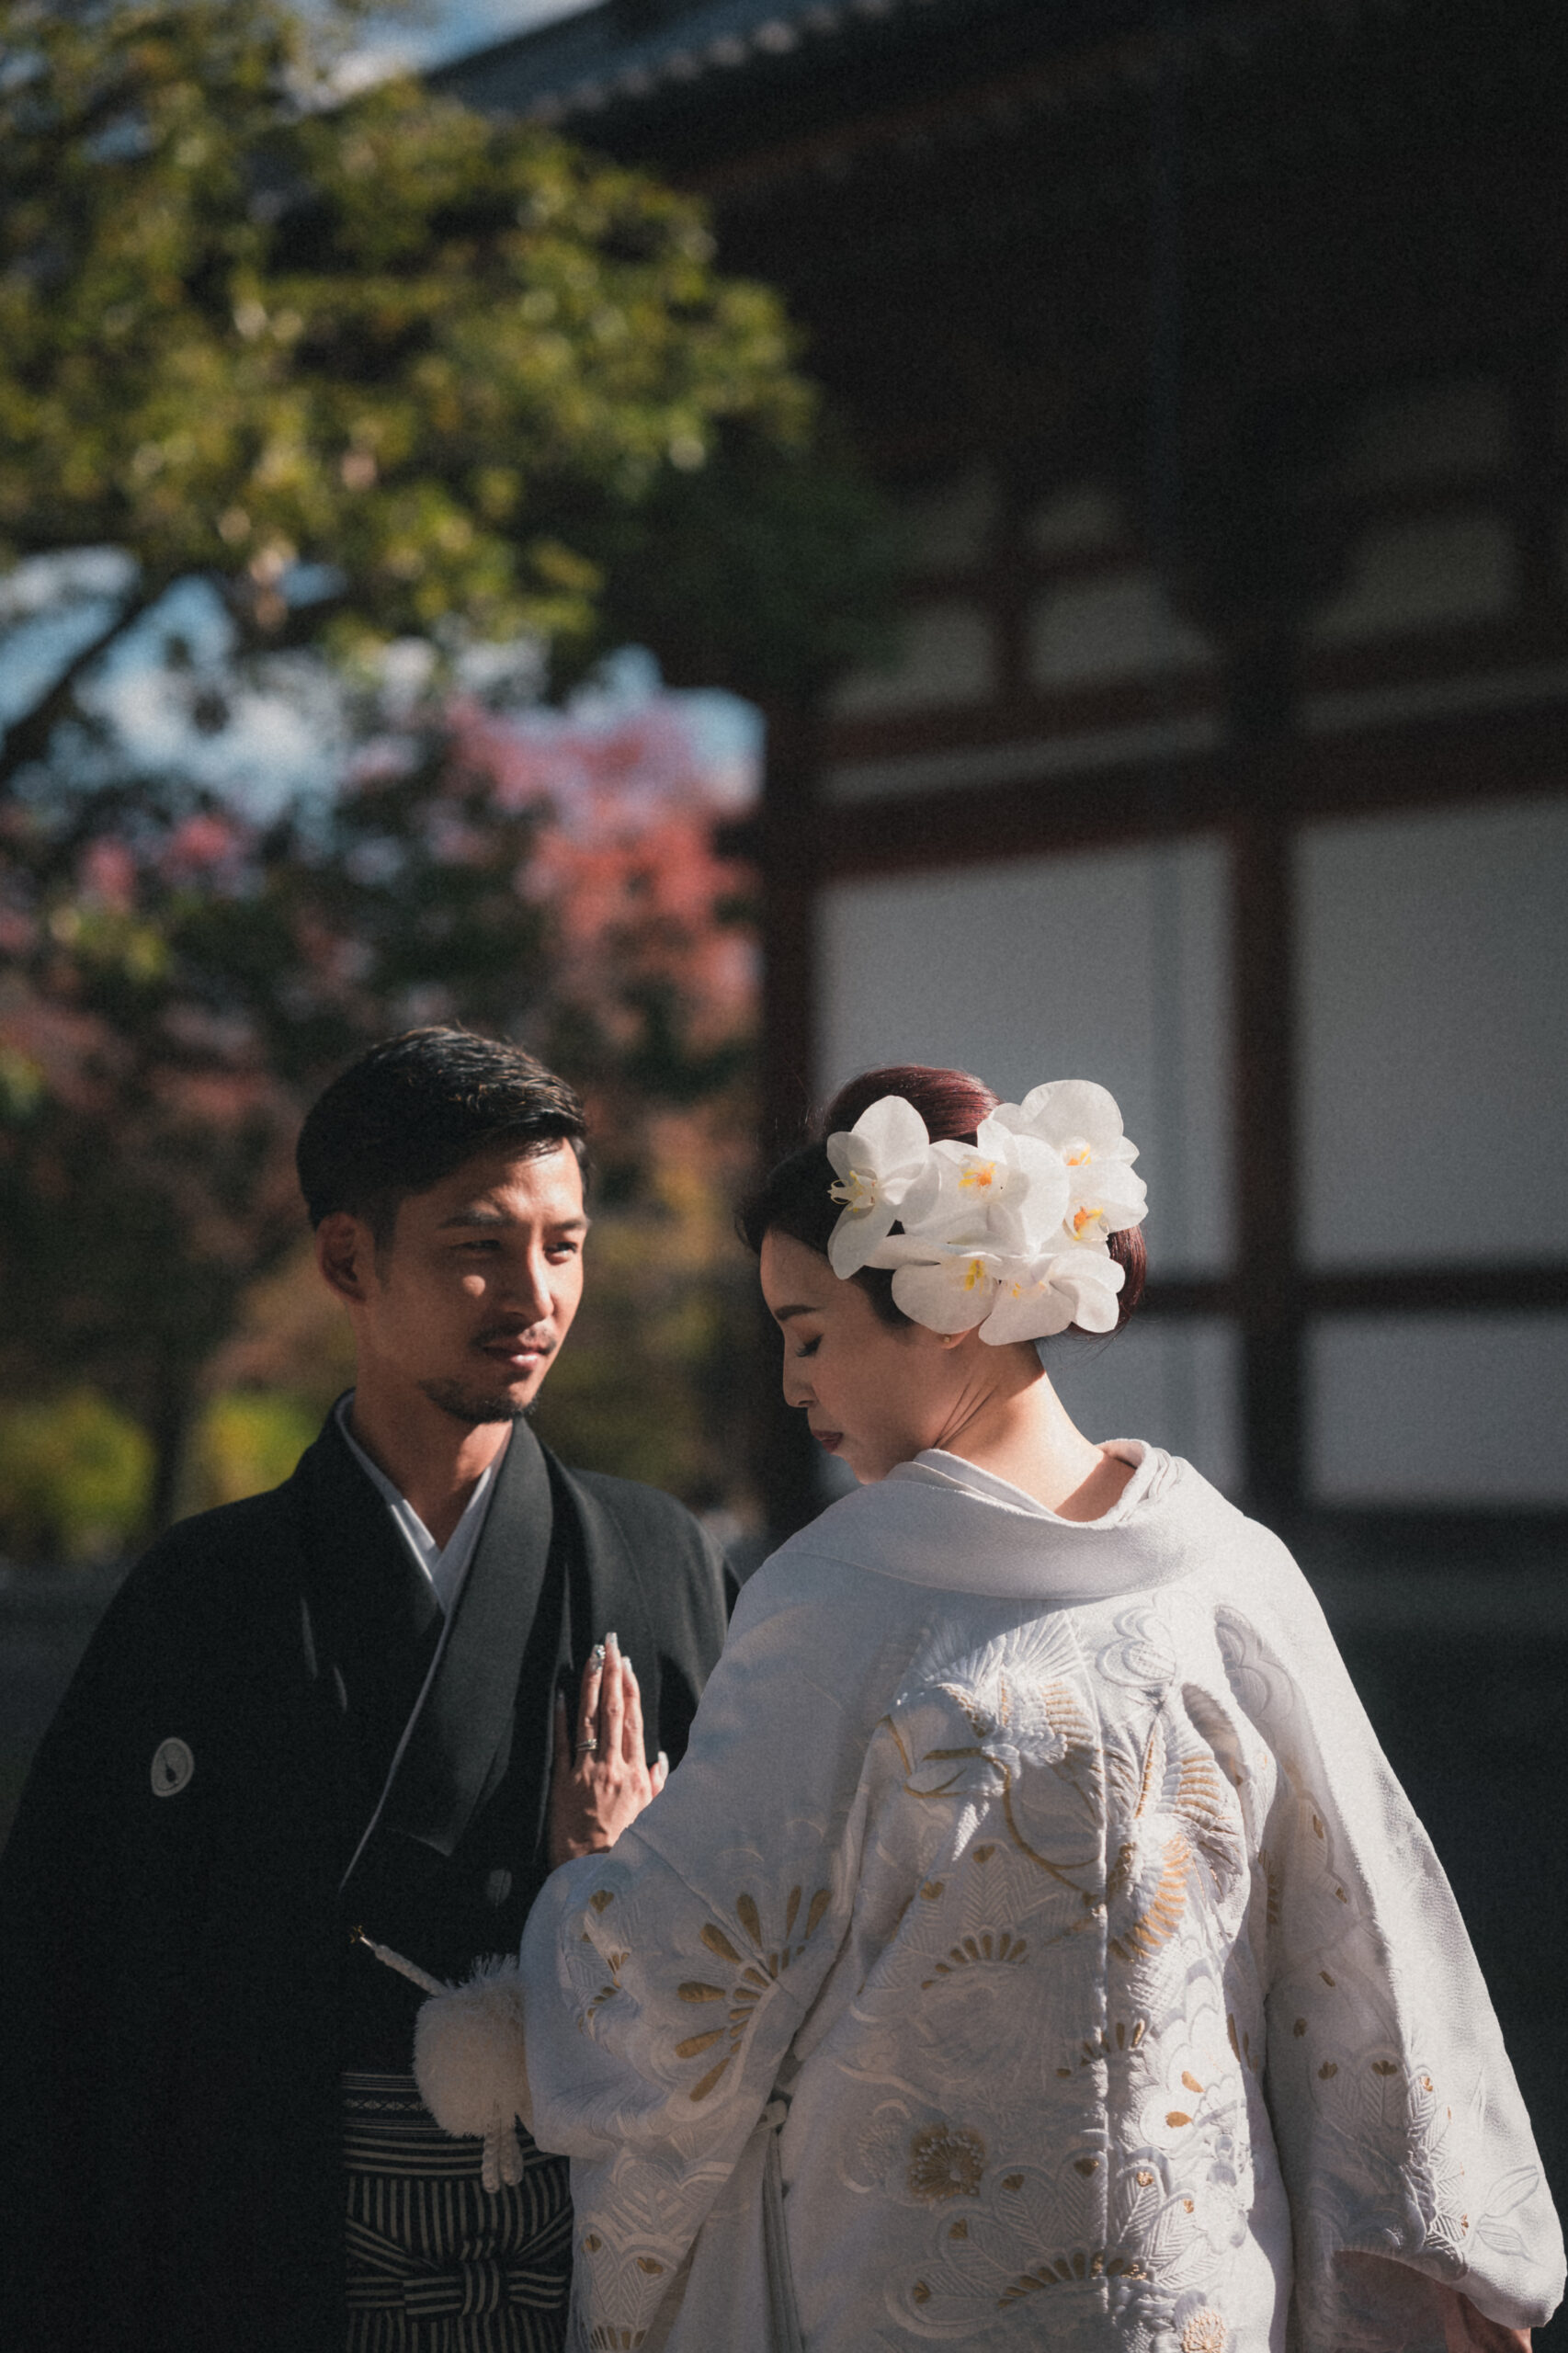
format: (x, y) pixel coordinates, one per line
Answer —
(946, 1286)
(1035, 1299)
(880, 1163)
(1082, 1123)
(1007, 1190)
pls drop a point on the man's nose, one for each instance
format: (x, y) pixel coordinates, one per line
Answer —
(527, 1286)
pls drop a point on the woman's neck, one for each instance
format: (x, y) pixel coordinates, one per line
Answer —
(1018, 1428)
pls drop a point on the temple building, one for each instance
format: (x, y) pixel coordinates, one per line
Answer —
(1216, 352)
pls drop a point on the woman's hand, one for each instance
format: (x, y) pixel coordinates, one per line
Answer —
(1466, 2330)
(601, 1779)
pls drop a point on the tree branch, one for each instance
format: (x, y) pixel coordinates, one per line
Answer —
(28, 738)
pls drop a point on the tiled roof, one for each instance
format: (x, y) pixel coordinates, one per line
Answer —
(585, 63)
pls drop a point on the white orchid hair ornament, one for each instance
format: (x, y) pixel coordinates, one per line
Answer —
(1009, 1232)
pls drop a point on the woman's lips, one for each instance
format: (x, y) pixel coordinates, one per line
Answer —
(831, 1439)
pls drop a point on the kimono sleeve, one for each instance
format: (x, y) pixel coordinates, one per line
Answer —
(69, 1963)
(1405, 2144)
(664, 1982)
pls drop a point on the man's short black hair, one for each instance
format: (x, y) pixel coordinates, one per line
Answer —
(415, 1109)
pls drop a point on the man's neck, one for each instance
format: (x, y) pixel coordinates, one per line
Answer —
(434, 1460)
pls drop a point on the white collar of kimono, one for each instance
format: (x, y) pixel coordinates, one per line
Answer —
(934, 1463)
(940, 1521)
(445, 1566)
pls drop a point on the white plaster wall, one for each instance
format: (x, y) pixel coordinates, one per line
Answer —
(1173, 1381)
(1111, 965)
(946, 655)
(1433, 977)
(1122, 626)
(1423, 571)
(1438, 1409)
(1081, 517)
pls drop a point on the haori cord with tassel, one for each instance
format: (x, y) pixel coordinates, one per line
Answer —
(468, 2057)
(409, 1968)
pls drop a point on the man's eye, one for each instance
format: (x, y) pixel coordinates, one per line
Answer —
(563, 1250)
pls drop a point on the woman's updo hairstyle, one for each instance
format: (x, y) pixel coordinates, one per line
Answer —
(796, 1200)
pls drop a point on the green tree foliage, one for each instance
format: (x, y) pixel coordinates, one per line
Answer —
(385, 366)
(75, 1477)
(366, 368)
(244, 1442)
(241, 329)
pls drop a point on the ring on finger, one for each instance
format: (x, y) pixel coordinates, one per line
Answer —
(592, 1742)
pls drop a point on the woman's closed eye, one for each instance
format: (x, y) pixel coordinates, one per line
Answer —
(809, 1348)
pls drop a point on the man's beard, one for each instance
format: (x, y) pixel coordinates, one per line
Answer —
(469, 1406)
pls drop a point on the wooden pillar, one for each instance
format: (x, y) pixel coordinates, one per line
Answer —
(784, 1455)
(1268, 1284)
(1256, 565)
(788, 839)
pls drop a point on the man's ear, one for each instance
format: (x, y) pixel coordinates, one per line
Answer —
(345, 1249)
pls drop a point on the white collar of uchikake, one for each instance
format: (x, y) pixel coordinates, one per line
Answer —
(1009, 1232)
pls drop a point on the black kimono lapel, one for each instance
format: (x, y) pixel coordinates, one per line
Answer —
(459, 1743)
(373, 1620)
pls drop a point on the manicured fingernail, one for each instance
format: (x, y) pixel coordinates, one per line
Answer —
(627, 1663)
(612, 1641)
(664, 1760)
(596, 1656)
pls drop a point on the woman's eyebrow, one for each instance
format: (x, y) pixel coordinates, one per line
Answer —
(782, 1314)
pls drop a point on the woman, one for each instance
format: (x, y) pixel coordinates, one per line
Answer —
(1033, 1947)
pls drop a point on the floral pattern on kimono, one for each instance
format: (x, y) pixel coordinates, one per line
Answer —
(1054, 1875)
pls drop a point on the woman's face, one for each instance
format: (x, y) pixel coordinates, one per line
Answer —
(874, 1393)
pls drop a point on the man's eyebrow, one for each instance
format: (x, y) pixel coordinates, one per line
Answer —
(477, 1220)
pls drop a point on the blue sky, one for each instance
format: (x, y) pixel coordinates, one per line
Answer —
(287, 727)
(441, 28)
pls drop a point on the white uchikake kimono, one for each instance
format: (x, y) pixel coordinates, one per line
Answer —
(1052, 1874)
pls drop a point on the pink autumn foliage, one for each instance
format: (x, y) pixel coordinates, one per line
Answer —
(109, 875)
(203, 846)
(624, 857)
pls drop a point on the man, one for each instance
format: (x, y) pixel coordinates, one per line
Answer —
(329, 1709)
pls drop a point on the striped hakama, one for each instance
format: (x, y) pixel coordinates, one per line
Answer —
(436, 2263)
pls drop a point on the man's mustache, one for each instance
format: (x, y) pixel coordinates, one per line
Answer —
(525, 1335)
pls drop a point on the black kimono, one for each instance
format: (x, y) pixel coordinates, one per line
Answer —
(178, 1993)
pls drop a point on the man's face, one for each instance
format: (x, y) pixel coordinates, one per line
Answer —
(477, 1287)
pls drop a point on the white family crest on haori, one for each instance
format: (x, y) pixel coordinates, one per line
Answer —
(1009, 1232)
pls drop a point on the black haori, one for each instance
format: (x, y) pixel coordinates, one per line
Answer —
(176, 1970)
